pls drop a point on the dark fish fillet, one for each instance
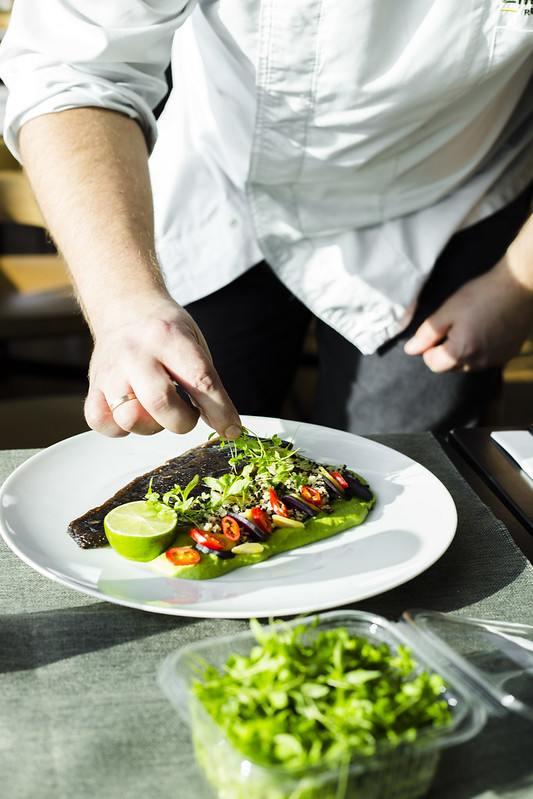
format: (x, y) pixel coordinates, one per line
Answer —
(207, 459)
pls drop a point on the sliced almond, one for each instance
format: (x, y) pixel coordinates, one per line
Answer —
(284, 521)
(249, 548)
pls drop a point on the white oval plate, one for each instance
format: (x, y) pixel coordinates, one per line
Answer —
(410, 527)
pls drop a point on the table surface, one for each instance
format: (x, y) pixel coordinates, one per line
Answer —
(82, 714)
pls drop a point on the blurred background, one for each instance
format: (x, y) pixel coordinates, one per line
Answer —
(44, 342)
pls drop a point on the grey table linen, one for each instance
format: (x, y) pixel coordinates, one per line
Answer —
(82, 715)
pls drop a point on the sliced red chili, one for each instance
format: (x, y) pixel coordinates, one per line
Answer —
(340, 479)
(208, 539)
(311, 495)
(183, 556)
(279, 508)
(260, 518)
(230, 528)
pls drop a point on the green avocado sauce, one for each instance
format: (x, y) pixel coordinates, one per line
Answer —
(345, 514)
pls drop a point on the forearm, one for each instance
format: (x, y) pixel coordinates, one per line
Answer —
(89, 170)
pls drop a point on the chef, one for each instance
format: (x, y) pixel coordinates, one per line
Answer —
(364, 167)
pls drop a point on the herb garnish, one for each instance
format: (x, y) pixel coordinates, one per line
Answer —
(254, 463)
(271, 460)
(181, 500)
(304, 697)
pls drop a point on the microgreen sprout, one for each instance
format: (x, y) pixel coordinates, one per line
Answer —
(271, 459)
(230, 485)
(182, 500)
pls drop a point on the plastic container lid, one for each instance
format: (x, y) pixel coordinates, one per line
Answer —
(493, 659)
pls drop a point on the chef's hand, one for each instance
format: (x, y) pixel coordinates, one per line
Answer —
(483, 324)
(133, 366)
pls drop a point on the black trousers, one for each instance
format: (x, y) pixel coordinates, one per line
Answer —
(255, 329)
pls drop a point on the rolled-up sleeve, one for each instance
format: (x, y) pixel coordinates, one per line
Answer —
(63, 54)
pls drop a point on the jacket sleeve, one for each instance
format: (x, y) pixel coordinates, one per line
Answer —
(63, 54)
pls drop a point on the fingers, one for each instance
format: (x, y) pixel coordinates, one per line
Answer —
(432, 343)
(159, 382)
(112, 418)
(196, 375)
(430, 334)
(442, 358)
(99, 416)
(445, 348)
(150, 405)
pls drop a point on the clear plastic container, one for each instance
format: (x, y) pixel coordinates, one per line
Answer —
(488, 667)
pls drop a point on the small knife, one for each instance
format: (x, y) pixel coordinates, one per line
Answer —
(180, 391)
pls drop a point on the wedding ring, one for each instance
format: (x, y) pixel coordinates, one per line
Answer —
(120, 401)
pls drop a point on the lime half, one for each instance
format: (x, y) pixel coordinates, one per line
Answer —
(140, 530)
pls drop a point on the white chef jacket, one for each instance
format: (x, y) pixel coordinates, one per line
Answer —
(345, 141)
